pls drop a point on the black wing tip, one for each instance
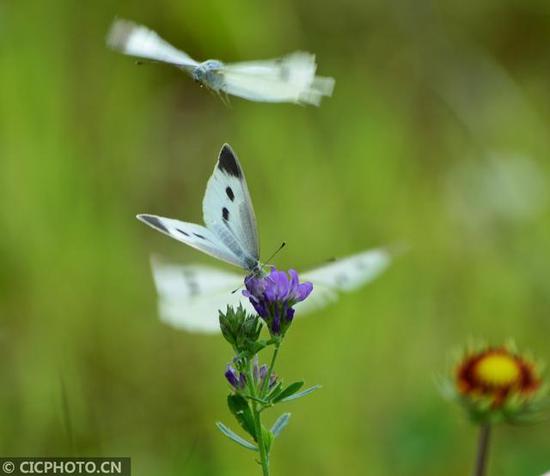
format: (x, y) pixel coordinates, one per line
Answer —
(228, 163)
(144, 217)
(153, 221)
(226, 147)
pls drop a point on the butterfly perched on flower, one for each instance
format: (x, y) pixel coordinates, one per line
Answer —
(288, 79)
(191, 295)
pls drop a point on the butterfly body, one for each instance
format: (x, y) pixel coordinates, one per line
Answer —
(210, 74)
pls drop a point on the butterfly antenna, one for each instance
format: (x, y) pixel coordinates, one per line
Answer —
(283, 244)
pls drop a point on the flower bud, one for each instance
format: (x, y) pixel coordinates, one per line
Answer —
(240, 329)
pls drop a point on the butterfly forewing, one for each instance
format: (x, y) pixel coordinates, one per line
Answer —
(196, 236)
(136, 40)
(228, 211)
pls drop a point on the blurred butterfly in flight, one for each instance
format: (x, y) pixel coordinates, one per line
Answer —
(191, 295)
(287, 79)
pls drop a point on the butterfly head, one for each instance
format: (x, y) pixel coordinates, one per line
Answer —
(209, 74)
(259, 270)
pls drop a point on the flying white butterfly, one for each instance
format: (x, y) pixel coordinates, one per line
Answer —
(190, 296)
(287, 79)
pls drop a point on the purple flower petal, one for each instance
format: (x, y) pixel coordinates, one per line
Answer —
(231, 376)
(290, 314)
(303, 291)
(273, 296)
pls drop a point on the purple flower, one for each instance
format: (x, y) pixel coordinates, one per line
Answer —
(235, 379)
(238, 379)
(274, 295)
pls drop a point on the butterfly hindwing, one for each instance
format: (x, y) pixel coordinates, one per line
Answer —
(343, 275)
(228, 211)
(191, 296)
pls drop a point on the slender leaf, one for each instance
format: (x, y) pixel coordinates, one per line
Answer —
(288, 391)
(280, 424)
(275, 392)
(236, 438)
(295, 396)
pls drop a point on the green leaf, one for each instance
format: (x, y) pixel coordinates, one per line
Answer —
(295, 396)
(239, 407)
(280, 424)
(236, 438)
(288, 391)
(275, 392)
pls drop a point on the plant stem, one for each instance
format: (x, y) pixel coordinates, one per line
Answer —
(265, 385)
(482, 449)
(264, 457)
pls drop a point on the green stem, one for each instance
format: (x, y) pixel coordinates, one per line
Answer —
(482, 449)
(264, 457)
(265, 385)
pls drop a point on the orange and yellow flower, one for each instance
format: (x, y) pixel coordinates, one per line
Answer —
(497, 384)
(497, 373)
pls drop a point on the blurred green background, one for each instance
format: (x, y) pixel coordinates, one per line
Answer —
(436, 136)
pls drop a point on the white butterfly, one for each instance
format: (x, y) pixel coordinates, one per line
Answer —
(190, 296)
(287, 79)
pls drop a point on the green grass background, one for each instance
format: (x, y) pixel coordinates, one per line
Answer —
(88, 139)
